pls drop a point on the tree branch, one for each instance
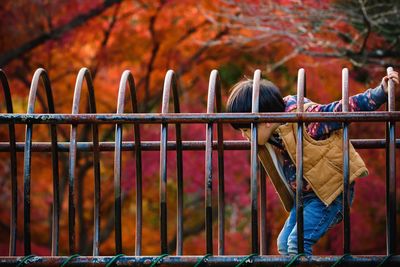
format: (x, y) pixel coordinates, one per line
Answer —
(154, 52)
(335, 30)
(55, 33)
(368, 24)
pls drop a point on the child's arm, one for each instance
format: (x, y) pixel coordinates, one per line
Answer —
(370, 100)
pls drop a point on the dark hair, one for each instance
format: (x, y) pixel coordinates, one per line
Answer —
(240, 99)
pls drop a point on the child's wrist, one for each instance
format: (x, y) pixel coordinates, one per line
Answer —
(383, 88)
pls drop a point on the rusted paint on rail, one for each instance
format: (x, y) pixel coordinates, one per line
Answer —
(157, 118)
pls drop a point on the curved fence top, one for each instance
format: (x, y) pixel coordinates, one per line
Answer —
(40, 73)
(256, 91)
(84, 74)
(6, 91)
(301, 83)
(214, 92)
(170, 81)
(126, 79)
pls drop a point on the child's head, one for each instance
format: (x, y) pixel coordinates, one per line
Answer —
(270, 100)
(240, 99)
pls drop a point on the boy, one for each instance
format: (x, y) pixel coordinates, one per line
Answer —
(322, 166)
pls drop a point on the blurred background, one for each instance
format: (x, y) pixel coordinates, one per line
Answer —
(191, 37)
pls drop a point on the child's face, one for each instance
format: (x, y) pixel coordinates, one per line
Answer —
(265, 131)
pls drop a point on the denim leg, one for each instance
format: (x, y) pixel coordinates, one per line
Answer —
(285, 232)
(318, 218)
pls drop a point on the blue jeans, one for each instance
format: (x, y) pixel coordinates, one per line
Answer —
(318, 219)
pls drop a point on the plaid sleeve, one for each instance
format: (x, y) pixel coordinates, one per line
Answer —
(370, 100)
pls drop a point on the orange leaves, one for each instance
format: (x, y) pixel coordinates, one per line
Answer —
(148, 38)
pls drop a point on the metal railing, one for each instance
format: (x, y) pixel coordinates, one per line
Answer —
(210, 118)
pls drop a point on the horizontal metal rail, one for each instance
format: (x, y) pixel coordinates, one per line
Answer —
(157, 118)
(171, 145)
(228, 261)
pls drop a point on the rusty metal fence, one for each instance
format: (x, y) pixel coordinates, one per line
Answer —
(213, 116)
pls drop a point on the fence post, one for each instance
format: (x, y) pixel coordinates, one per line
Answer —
(391, 172)
(299, 163)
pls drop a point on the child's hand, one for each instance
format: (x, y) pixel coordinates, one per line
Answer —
(394, 75)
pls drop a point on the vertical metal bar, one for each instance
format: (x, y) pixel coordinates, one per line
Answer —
(391, 241)
(208, 165)
(179, 170)
(40, 74)
(138, 156)
(221, 186)
(117, 183)
(221, 192)
(163, 165)
(125, 78)
(163, 185)
(14, 192)
(299, 163)
(179, 214)
(254, 165)
(263, 212)
(56, 199)
(13, 167)
(96, 166)
(54, 159)
(168, 83)
(27, 189)
(84, 74)
(346, 166)
(139, 206)
(208, 189)
(71, 186)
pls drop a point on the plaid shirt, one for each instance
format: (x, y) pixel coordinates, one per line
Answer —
(370, 100)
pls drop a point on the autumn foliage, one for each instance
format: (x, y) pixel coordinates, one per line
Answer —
(148, 38)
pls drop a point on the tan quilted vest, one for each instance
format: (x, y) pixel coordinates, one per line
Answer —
(322, 163)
